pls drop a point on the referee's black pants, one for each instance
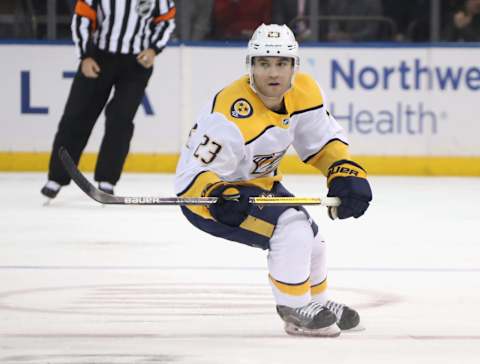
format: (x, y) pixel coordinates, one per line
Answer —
(85, 102)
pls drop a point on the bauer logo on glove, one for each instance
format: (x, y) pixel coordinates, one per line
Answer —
(348, 181)
(345, 169)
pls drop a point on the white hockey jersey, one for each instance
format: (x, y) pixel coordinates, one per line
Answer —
(237, 139)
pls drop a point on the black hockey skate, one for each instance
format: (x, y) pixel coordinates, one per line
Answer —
(106, 187)
(50, 189)
(310, 320)
(347, 318)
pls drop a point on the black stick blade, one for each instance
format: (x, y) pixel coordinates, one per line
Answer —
(107, 199)
(82, 182)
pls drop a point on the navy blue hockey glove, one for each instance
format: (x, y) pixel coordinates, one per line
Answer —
(348, 181)
(232, 207)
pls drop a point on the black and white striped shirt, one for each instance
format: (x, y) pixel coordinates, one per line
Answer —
(122, 26)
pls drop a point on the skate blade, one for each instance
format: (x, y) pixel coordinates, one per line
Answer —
(359, 327)
(329, 331)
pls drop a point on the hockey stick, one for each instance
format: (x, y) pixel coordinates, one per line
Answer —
(107, 199)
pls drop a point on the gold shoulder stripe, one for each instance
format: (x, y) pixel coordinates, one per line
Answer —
(259, 135)
(306, 110)
(304, 95)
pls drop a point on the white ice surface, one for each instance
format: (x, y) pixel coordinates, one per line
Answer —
(82, 283)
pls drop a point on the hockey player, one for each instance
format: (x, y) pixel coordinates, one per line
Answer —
(233, 152)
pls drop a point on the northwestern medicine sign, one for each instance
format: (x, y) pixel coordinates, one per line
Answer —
(402, 101)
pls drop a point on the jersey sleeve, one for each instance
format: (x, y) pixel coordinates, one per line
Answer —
(217, 146)
(211, 156)
(319, 139)
(84, 23)
(162, 24)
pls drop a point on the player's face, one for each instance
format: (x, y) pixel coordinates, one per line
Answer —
(272, 75)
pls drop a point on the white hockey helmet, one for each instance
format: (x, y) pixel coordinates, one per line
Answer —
(272, 40)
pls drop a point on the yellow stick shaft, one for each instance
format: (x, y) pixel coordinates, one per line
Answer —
(296, 201)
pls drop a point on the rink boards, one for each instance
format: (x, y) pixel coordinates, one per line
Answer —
(407, 110)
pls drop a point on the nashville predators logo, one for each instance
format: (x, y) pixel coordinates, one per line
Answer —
(264, 164)
(241, 109)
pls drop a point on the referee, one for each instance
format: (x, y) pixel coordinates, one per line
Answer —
(117, 41)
